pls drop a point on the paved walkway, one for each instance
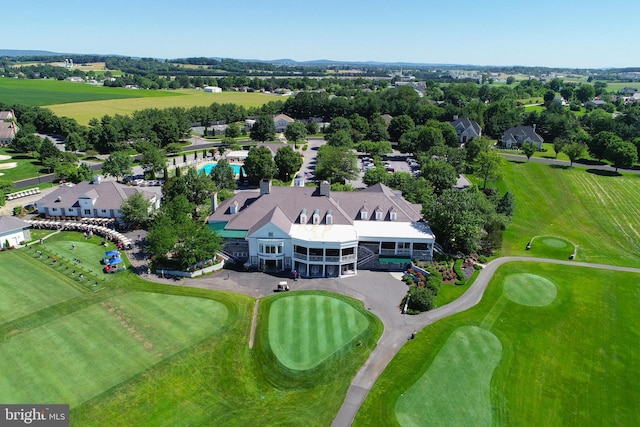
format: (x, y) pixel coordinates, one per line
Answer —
(380, 292)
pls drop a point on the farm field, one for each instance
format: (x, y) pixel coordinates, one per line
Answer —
(43, 92)
(597, 213)
(547, 345)
(83, 112)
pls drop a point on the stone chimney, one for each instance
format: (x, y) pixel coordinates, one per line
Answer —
(214, 202)
(325, 188)
(97, 179)
(298, 181)
(265, 186)
(455, 117)
(534, 127)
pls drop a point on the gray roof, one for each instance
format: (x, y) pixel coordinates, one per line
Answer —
(10, 223)
(464, 123)
(108, 195)
(283, 205)
(522, 133)
(7, 130)
(4, 115)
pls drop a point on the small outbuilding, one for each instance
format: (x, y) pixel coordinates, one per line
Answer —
(13, 231)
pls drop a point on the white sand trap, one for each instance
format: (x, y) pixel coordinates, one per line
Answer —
(1, 174)
(4, 157)
(9, 165)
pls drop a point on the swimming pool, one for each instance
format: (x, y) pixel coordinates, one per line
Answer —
(208, 167)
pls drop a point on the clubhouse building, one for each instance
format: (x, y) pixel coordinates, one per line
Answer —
(320, 233)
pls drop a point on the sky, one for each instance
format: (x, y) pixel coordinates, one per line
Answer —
(550, 33)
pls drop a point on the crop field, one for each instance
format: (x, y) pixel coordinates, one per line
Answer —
(598, 213)
(547, 345)
(185, 98)
(323, 326)
(43, 92)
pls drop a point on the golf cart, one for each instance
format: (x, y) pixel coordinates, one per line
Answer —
(282, 287)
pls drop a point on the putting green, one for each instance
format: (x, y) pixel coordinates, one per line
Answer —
(529, 289)
(456, 389)
(552, 242)
(79, 356)
(304, 330)
(27, 286)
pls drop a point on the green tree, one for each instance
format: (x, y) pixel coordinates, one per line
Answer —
(529, 149)
(375, 149)
(119, 164)
(584, 93)
(232, 130)
(195, 187)
(338, 123)
(75, 142)
(440, 174)
(264, 129)
(506, 205)
(420, 299)
(474, 147)
(296, 132)
(336, 164)
(259, 164)
(378, 129)
(575, 151)
(598, 144)
(6, 187)
(500, 116)
(153, 159)
(375, 175)
(136, 210)
(622, 154)
(223, 176)
(488, 166)
(399, 126)
(287, 162)
(47, 149)
(559, 144)
(340, 138)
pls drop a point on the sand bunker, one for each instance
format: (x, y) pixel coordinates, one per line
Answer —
(9, 165)
(3, 157)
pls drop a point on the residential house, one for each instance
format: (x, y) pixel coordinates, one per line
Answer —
(282, 121)
(597, 103)
(8, 127)
(628, 90)
(13, 231)
(466, 129)
(212, 89)
(321, 233)
(516, 136)
(91, 200)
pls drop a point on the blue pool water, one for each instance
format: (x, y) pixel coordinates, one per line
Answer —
(208, 167)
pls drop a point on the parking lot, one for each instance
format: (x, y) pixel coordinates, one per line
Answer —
(393, 162)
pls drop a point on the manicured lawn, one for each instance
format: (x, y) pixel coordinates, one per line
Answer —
(27, 166)
(598, 213)
(186, 98)
(322, 326)
(141, 353)
(569, 355)
(81, 355)
(26, 287)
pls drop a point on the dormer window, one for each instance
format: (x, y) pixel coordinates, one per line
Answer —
(234, 207)
(393, 215)
(363, 214)
(378, 214)
(329, 217)
(303, 216)
(316, 217)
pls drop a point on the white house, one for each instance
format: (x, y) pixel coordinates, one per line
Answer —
(91, 200)
(320, 233)
(212, 89)
(13, 231)
(282, 121)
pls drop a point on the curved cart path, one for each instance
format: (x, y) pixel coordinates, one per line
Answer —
(395, 336)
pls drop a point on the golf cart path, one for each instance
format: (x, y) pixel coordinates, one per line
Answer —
(395, 335)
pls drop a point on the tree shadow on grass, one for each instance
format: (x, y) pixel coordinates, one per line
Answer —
(602, 172)
(518, 162)
(560, 166)
(590, 162)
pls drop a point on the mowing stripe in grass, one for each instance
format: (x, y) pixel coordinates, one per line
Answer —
(455, 390)
(78, 356)
(312, 328)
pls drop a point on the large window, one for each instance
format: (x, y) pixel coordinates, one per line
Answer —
(388, 245)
